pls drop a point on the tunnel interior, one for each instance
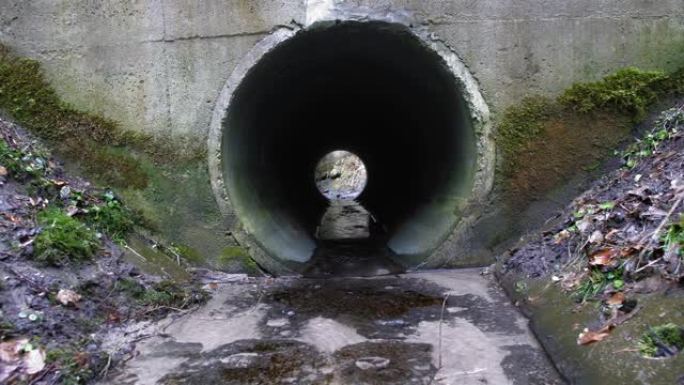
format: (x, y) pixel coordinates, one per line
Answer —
(371, 88)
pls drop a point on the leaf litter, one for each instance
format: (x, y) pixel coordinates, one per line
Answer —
(622, 237)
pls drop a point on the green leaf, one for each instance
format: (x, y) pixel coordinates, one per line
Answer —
(607, 205)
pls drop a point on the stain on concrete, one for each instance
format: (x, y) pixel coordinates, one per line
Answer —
(389, 330)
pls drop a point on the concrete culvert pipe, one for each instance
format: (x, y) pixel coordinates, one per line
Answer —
(372, 88)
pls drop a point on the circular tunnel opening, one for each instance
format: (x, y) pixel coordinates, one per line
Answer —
(376, 90)
(340, 175)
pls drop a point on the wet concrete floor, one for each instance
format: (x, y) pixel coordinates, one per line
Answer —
(433, 327)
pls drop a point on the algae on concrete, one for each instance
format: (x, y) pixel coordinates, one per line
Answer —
(165, 179)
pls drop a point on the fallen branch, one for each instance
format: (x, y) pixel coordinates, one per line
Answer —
(135, 253)
(654, 235)
(441, 320)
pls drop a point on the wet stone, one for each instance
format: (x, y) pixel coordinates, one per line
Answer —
(385, 362)
(366, 363)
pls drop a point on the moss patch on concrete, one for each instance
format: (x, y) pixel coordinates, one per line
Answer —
(164, 178)
(557, 319)
(543, 142)
(629, 91)
(519, 125)
(93, 142)
(236, 258)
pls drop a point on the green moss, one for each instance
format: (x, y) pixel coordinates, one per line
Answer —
(7, 330)
(63, 239)
(664, 128)
(661, 341)
(131, 287)
(237, 258)
(164, 294)
(522, 123)
(75, 366)
(111, 217)
(95, 143)
(541, 142)
(189, 254)
(674, 237)
(20, 165)
(629, 91)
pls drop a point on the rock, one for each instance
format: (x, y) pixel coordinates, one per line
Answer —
(366, 363)
(277, 323)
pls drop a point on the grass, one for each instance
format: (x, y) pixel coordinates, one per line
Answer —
(20, 165)
(664, 128)
(63, 239)
(596, 281)
(673, 239)
(661, 341)
(75, 367)
(105, 213)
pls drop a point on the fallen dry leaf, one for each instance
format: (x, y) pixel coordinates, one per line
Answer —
(629, 251)
(596, 237)
(572, 280)
(68, 297)
(3, 171)
(11, 350)
(604, 257)
(612, 234)
(34, 361)
(583, 226)
(561, 236)
(59, 183)
(587, 337)
(13, 357)
(81, 359)
(616, 299)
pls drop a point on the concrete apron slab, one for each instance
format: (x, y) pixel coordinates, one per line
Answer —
(433, 327)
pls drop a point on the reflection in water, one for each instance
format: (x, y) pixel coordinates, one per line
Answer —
(344, 220)
(351, 242)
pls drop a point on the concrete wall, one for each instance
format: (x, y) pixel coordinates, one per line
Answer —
(158, 65)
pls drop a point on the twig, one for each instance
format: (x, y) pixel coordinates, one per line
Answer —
(653, 262)
(441, 320)
(104, 371)
(36, 286)
(175, 254)
(135, 252)
(166, 307)
(626, 350)
(42, 374)
(616, 321)
(654, 235)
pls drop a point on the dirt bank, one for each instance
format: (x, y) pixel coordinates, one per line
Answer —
(65, 282)
(603, 280)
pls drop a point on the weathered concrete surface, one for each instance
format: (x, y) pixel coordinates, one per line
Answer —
(158, 65)
(354, 331)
